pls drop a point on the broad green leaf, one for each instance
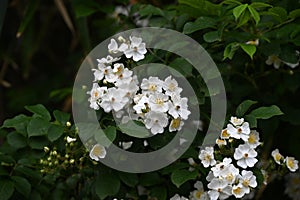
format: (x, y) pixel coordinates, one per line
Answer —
(16, 140)
(150, 179)
(7, 159)
(259, 176)
(61, 117)
(19, 123)
(6, 189)
(29, 13)
(199, 24)
(244, 107)
(107, 184)
(22, 185)
(107, 136)
(237, 11)
(150, 10)
(84, 8)
(204, 7)
(55, 132)
(294, 13)
(244, 18)
(28, 172)
(212, 36)
(37, 127)
(182, 66)
(266, 112)
(129, 179)
(251, 120)
(254, 14)
(39, 111)
(133, 129)
(260, 5)
(231, 2)
(158, 192)
(38, 142)
(230, 50)
(249, 49)
(181, 176)
(279, 13)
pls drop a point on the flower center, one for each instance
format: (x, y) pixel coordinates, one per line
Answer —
(277, 157)
(96, 94)
(152, 87)
(198, 194)
(252, 139)
(159, 101)
(175, 123)
(237, 190)
(229, 177)
(246, 183)
(246, 155)
(171, 86)
(113, 99)
(290, 163)
(225, 134)
(239, 130)
(97, 151)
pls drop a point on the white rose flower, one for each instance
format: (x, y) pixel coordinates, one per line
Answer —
(253, 139)
(245, 156)
(151, 85)
(236, 121)
(219, 168)
(207, 157)
(158, 102)
(156, 122)
(247, 180)
(239, 132)
(179, 108)
(136, 49)
(278, 158)
(114, 99)
(291, 163)
(108, 60)
(171, 86)
(199, 193)
(98, 151)
(225, 134)
(239, 191)
(219, 189)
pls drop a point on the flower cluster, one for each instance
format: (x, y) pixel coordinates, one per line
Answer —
(155, 102)
(289, 162)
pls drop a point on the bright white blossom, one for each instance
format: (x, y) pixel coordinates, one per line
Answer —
(221, 142)
(98, 151)
(253, 139)
(199, 193)
(278, 158)
(171, 86)
(70, 139)
(236, 121)
(177, 197)
(245, 156)
(156, 122)
(179, 108)
(219, 189)
(136, 49)
(291, 163)
(239, 132)
(158, 102)
(207, 157)
(247, 179)
(239, 191)
(152, 85)
(114, 99)
(176, 124)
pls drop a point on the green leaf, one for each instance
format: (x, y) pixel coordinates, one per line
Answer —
(28, 172)
(254, 14)
(129, 179)
(107, 184)
(84, 8)
(237, 11)
(199, 24)
(266, 112)
(181, 176)
(244, 18)
(182, 66)
(204, 7)
(249, 49)
(38, 142)
(260, 5)
(251, 120)
(294, 13)
(230, 50)
(39, 111)
(150, 10)
(6, 189)
(231, 2)
(7, 159)
(212, 36)
(279, 13)
(61, 117)
(22, 185)
(55, 132)
(29, 13)
(150, 179)
(158, 192)
(107, 136)
(16, 140)
(37, 127)
(19, 123)
(244, 107)
(133, 129)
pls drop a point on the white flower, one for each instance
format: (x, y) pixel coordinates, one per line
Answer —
(207, 157)
(98, 151)
(253, 42)
(239, 132)
(114, 99)
(156, 122)
(225, 134)
(179, 108)
(245, 156)
(129, 85)
(278, 158)
(221, 142)
(253, 139)
(177, 197)
(107, 61)
(158, 102)
(247, 180)
(142, 105)
(171, 86)
(176, 125)
(96, 94)
(219, 168)
(136, 50)
(152, 84)
(69, 139)
(273, 60)
(199, 193)
(113, 46)
(236, 121)
(229, 173)
(219, 189)
(239, 191)
(291, 163)
(126, 145)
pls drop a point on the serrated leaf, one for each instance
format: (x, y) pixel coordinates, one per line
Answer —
(266, 112)
(237, 11)
(212, 36)
(244, 107)
(107, 184)
(249, 49)
(39, 111)
(61, 117)
(181, 176)
(55, 132)
(22, 185)
(129, 179)
(6, 189)
(254, 14)
(37, 127)
(200, 24)
(16, 140)
(133, 129)
(19, 123)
